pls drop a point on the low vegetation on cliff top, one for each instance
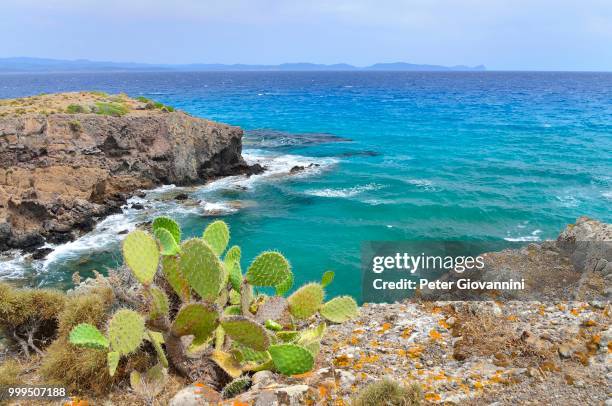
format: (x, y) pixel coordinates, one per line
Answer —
(81, 103)
(181, 308)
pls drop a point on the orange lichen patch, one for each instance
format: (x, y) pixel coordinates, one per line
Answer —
(342, 361)
(512, 317)
(239, 403)
(478, 385)
(561, 307)
(435, 335)
(440, 377)
(432, 397)
(304, 375)
(415, 351)
(323, 391)
(358, 331)
(575, 312)
(436, 309)
(541, 310)
(384, 328)
(77, 402)
(374, 344)
(406, 333)
(442, 323)
(354, 340)
(401, 352)
(589, 323)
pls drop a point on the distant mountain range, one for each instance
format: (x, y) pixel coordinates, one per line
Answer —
(41, 65)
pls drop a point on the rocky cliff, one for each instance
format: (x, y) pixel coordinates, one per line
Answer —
(66, 160)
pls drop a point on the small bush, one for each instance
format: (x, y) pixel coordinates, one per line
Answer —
(75, 126)
(75, 108)
(9, 373)
(143, 99)
(111, 109)
(99, 93)
(28, 317)
(390, 393)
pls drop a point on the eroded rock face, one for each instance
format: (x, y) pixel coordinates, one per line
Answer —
(60, 173)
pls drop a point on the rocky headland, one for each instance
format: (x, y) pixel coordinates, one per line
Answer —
(67, 160)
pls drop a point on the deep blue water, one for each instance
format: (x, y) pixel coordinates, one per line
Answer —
(459, 155)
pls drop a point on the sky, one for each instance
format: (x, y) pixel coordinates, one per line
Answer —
(501, 34)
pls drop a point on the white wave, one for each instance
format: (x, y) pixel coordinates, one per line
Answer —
(526, 238)
(607, 195)
(344, 192)
(568, 201)
(218, 208)
(422, 183)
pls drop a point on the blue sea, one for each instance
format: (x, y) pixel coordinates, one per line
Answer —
(501, 156)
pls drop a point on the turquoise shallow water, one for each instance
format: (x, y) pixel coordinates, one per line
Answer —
(482, 155)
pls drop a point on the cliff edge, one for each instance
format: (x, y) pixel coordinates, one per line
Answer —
(67, 160)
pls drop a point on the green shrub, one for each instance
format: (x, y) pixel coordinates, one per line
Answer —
(143, 99)
(76, 108)
(111, 109)
(390, 393)
(75, 126)
(28, 317)
(9, 373)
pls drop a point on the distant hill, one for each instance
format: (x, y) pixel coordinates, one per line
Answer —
(42, 65)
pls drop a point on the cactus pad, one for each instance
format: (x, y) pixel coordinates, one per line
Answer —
(287, 336)
(327, 278)
(340, 309)
(161, 356)
(305, 301)
(273, 308)
(202, 268)
(234, 297)
(170, 225)
(172, 273)
(197, 319)
(166, 241)
(232, 310)
(291, 359)
(125, 331)
(217, 236)
(234, 274)
(159, 303)
(246, 332)
(311, 338)
(285, 286)
(268, 269)
(272, 325)
(232, 255)
(236, 387)
(141, 255)
(227, 362)
(112, 359)
(246, 297)
(86, 335)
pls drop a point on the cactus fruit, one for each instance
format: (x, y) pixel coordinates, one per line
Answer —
(246, 332)
(227, 362)
(327, 278)
(340, 309)
(86, 335)
(141, 255)
(236, 387)
(159, 303)
(125, 331)
(305, 301)
(268, 269)
(167, 242)
(272, 325)
(172, 273)
(197, 319)
(168, 224)
(112, 359)
(202, 269)
(217, 236)
(291, 359)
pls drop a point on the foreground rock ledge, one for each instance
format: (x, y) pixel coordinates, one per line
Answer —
(61, 172)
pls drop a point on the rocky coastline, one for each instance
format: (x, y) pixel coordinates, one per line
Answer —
(68, 160)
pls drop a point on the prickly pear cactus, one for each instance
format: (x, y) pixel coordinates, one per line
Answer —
(141, 255)
(168, 224)
(178, 282)
(202, 269)
(125, 331)
(327, 278)
(166, 241)
(197, 319)
(291, 359)
(311, 338)
(227, 362)
(340, 309)
(112, 359)
(236, 387)
(305, 301)
(268, 269)
(285, 286)
(86, 335)
(246, 332)
(217, 236)
(159, 303)
(157, 340)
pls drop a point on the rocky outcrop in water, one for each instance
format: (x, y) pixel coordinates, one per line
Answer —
(61, 172)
